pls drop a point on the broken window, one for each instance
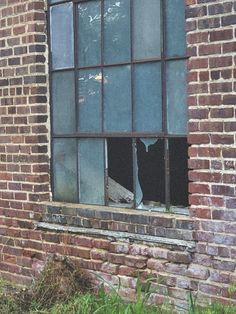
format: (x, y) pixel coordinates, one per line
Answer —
(119, 114)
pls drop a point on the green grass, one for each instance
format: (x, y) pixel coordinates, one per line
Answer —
(100, 303)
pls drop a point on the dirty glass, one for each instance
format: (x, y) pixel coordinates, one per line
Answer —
(89, 33)
(56, 1)
(65, 170)
(117, 99)
(176, 97)
(62, 38)
(146, 29)
(90, 108)
(63, 102)
(91, 171)
(147, 97)
(175, 28)
(116, 31)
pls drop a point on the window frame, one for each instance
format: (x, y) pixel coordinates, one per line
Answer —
(163, 59)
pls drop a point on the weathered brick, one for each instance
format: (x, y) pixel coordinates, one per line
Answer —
(135, 261)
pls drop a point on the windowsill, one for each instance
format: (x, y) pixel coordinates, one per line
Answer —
(118, 222)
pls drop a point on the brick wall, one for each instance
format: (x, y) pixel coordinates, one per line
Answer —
(24, 122)
(212, 126)
(209, 268)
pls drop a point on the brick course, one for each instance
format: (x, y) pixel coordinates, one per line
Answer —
(209, 269)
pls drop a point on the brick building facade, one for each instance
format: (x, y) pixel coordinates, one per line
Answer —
(195, 252)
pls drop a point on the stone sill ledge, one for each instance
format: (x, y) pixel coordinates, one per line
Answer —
(111, 219)
(117, 235)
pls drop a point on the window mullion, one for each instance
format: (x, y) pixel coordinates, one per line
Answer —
(164, 103)
(75, 26)
(134, 150)
(106, 195)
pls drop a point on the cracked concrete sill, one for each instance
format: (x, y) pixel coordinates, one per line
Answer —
(117, 235)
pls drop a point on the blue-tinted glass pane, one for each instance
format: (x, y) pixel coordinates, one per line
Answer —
(91, 175)
(117, 31)
(176, 97)
(65, 170)
(90, 111)
(62, 40)
(89, 37)
(175, 28)
(63, 102)
(147, 29)
(55, 1)
(117, 99)
(147, 97)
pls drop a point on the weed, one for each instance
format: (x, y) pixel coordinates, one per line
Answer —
(61, 289)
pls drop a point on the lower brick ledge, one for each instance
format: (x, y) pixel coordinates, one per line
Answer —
(189, 245)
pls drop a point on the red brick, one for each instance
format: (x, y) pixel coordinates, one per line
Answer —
(221, 35)
(119, 247)
(218, 62)
(205, 176)
(221, 113)
(135, 261)
(222, 139)
(199, 188)
(198, 139)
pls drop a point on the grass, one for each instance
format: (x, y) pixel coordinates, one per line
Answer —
(62, 289)
(99, 303)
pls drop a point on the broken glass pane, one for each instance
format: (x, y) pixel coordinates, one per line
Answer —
(151, 172)
(90, 111)
(62, 38)
(178, 149)
(91, 171)
(176, 97)
(116, 31)
(117, 99)
(65, 170)
(120, 172)
(147, 29)
(89, 33)
(147, 97)
(175, 28)
(63, 102)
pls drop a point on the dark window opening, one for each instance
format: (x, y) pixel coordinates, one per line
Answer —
(151, 171)
(120, 171)
(178, 151)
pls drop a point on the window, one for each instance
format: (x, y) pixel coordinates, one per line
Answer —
(119, 111)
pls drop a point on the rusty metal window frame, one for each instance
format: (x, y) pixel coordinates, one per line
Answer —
(163, 59)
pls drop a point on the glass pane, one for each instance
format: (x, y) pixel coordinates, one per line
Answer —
(147, 29)
(176, 97)
(120, 172)
(63, 102)
(91, 171)
(89, 33)
(151, 172)
(117, 99)
(116, 31)
(90, 111)
(178, 149)
(65, 170)
(56, 1)
(62, 38)
(147, 97)
(175, 28)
